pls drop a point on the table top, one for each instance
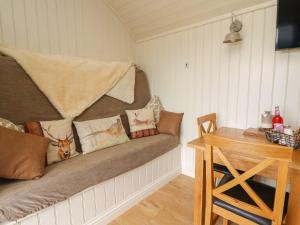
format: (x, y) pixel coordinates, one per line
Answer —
(238, 134)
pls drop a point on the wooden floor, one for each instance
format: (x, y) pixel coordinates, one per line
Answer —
(171, 205)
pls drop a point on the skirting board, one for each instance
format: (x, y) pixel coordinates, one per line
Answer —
(100, 204)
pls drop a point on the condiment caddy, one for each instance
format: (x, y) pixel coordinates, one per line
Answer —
(276, 132)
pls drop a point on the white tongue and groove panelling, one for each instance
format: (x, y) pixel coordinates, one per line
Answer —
(195, 73)
(85, 28)
(104, 202)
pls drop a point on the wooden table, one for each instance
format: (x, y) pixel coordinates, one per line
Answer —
(244, 162)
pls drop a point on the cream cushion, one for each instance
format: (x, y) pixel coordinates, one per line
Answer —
(101, 133)
(156, 106)
(8, 124)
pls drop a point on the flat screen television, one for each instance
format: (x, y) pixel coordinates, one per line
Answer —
(288, 24)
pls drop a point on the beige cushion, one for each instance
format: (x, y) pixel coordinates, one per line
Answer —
(8, 124)
(22, 155)
(169, 123)
(101, 133)
(156, 106)
(62, 145)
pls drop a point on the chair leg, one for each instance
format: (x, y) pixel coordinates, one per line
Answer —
(225, 221)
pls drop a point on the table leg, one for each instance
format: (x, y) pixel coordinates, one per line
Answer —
(293, 215)
(199, 206)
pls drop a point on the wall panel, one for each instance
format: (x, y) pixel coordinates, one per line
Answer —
(85, 28)
(238, 81)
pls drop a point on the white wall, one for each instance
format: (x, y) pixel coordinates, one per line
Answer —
(85, 28)
(238, 81)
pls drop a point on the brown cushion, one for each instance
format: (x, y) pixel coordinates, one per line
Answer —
(169, 123)
(22, 155)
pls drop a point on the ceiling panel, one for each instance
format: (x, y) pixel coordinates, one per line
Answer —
(145, 18)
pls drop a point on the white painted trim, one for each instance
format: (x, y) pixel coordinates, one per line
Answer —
(213, 20)
(133, 199)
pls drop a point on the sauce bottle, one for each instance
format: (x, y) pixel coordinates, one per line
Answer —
(277, 121)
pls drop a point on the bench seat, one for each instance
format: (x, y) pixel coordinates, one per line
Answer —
(64, 179)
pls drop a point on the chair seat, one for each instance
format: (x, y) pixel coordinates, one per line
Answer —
(223, 169)
(265, 192)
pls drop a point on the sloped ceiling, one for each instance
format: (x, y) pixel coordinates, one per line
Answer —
(145, 18)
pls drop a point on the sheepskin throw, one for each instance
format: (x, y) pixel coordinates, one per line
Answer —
(73, 84)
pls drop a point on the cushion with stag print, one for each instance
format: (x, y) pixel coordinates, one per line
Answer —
(100, 133)
(141, 122)
(60, 133)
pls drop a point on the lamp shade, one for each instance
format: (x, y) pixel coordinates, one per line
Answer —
(232, 37)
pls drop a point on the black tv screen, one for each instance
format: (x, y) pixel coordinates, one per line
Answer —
(288, 24)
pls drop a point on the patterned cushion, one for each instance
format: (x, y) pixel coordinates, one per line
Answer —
(60, 133)
(141, 123)
(101, 133)
(156, 106)
(8, 124)
(144, 133)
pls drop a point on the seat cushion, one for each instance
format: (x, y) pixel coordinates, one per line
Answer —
(265, 192)
(223, 169)
(66, 178)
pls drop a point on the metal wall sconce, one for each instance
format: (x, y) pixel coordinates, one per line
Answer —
(234, 35)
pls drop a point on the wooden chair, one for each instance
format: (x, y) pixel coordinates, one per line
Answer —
(239, 199)
(211, 121)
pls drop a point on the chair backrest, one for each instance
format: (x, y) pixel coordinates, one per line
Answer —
(211, 119)
(270, 153)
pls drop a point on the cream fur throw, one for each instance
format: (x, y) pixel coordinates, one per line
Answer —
(74, 84)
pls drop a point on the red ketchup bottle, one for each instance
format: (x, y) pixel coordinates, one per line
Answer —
(277, 121)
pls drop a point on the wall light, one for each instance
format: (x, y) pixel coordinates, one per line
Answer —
(234, 35)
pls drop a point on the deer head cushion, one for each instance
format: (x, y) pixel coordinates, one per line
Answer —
(60, 133)
(141, 122)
